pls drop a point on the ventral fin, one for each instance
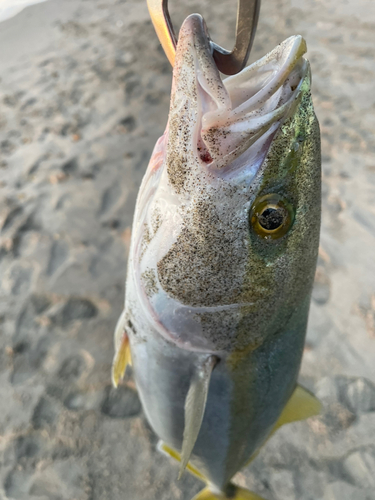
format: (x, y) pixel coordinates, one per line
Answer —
(121, 360)
(195, 405)
(164, 448)
(301, 405)
(234, 493)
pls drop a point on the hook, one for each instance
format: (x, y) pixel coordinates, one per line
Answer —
(227, 62)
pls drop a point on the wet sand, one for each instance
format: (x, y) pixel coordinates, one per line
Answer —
(84, 94)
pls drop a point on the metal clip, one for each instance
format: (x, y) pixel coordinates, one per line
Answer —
(227, 62)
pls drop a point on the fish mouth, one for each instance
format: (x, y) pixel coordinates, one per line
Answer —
(236, 118)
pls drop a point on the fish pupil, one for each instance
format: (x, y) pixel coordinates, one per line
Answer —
(271, 218)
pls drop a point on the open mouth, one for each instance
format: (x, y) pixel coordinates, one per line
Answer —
(238, 117)
(262, 96)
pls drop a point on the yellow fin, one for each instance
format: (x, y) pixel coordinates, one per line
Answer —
(164, 448)
(236, 493)
(207, 494)
(301, 405)
(195, 405)
(121, 360)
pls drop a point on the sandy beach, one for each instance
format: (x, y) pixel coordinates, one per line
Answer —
(84, 95)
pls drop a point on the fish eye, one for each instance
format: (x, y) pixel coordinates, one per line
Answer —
(271, 216)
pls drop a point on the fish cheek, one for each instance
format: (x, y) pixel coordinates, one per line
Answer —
(262, 289)
(266, 258)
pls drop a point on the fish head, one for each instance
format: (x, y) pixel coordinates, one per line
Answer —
(226, 230)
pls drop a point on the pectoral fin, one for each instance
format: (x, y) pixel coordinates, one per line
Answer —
(195, 405)
(121, 360)
(123, 356)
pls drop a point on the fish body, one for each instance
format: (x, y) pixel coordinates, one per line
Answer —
(223, 255)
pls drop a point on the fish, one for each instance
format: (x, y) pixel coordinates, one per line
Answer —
(222, 260)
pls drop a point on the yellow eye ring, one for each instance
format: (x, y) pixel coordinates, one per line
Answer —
(271, 216)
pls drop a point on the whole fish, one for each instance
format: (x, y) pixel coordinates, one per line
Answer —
(222, 260)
